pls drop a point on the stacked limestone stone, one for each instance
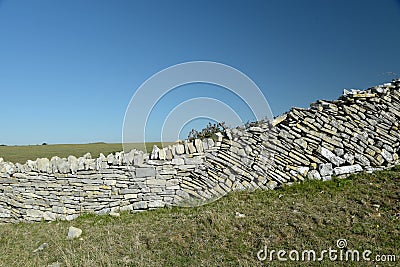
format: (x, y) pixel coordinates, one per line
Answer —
(359, 131)
(63, 188)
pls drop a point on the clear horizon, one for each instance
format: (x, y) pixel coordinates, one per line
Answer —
(70, 68)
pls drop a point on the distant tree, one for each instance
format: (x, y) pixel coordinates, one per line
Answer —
(44, 144)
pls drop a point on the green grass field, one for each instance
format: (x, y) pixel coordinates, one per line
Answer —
(22, 153)
(364, 209)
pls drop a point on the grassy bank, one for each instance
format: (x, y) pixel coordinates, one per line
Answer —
(22, 153)
(363, 209)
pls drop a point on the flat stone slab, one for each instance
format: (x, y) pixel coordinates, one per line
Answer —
(145, 172)
(347, 169)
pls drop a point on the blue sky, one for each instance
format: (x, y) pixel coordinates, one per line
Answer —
(68, 69)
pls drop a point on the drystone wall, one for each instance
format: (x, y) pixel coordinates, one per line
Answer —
(358, 132)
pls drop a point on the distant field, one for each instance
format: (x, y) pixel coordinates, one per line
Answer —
(22, 153)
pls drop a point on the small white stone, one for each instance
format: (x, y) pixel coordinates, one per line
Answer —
(71, 217)
(41, 247)
(239, 215)
(74, 232)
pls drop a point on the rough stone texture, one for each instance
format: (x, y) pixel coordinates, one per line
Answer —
(314, 175)
(357, 132)
(347, 169)
(74, 232)
(145, 172)
(326, 169)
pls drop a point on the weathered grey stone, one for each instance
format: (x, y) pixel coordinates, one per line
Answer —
(156, 204)
(331, 157)
(191, 148)
(210, 143)
(103, 211)
(387, 155)
(228, 133)
(90, 164)
(141, 205)
(129, 191)
(155, 152)
(130, 196)
(114, 214)
(286, 135)
(339, 152)
(110, 158)
(279, 119)
(162, 155)
(74, 232)
(248, 149)
(127, 207)
(49, 216)
(145, 172)
(302, 170)
(326, 169)
(178, 161)
(193, 161)
(362, 159)
(299, 158)
(41, 247)
(349, 158)
(186, 167)
(272, 185)
(326, 178)
(314, 175)
(71, 217)
(62, 165)
(168, 171)
(169, 153)
(241, 152)
(301, 142)
(87, 156)
(198, 145)
(205, 144)
(218, 137)
(138, 160)
(347, 169)
(7, 167)
(256, 129)
(110, 182)
(127, 157)
(81, 163)
(179, 149)
(73, 164)
(43, 165)
(34, 213)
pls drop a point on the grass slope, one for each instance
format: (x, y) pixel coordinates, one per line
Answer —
(22, 153)
(363, 209)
